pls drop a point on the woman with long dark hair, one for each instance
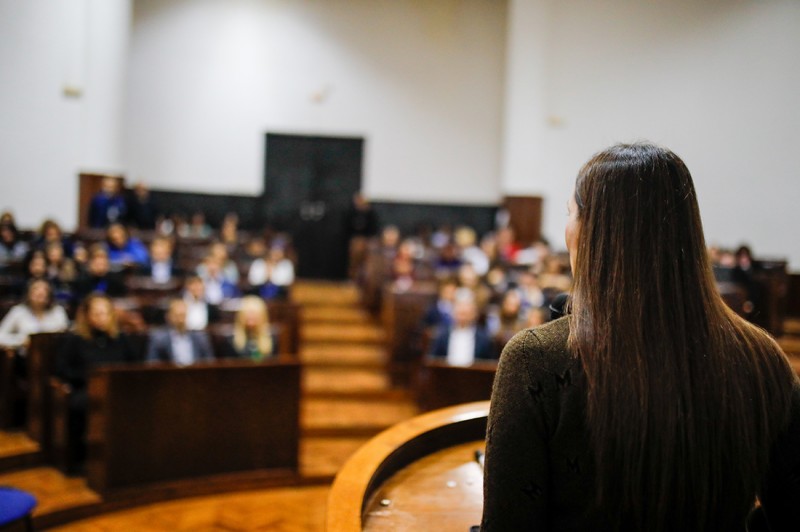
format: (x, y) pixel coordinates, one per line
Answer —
(651, 406)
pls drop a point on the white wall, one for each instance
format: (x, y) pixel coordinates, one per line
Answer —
(715, 81)
(421, 81)
(46, 137)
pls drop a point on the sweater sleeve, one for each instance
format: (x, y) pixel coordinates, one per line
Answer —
(517, 466)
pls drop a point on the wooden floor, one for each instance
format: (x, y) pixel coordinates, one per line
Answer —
(346, 400)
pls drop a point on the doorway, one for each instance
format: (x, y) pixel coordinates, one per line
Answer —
(309, 183)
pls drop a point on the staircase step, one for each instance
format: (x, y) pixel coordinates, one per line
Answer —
(334, 353)
(790, 345)
(52, 489)
(791, 326)
(344, 379)
(335, 314)
(369, 334)
(351, 414)
(325, 293)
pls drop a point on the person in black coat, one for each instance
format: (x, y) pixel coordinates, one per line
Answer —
(96, 341)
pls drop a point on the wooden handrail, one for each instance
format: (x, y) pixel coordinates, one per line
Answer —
(393, 449)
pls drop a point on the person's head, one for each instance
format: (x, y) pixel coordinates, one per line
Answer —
(37, 265)
(54, 253)
(390, 236)
(276, 254)
(360, 202)
(213, 266)
(447, 290)
(50, 231)
(8, 233)
(253, 314)
(176, 314)
(7, 217)
(634, 229)
(219, 251)
(256, 248)
(465, 237)
(252, 324)
(96, 313)
(195, 287)
(467, 276)
(110, 186)
(117, 235)
(161, 249)
(39, 296)
(536, 316)
(744, 257)
(198, 219)
(511, 304)
(141, 191)
(98, 261)
(465, 312)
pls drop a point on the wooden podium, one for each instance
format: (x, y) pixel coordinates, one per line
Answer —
(418, 475)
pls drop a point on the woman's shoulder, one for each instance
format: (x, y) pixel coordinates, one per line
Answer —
(542, 348)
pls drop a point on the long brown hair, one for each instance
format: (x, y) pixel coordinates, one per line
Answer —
(684, 397)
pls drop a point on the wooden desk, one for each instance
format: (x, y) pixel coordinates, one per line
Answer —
(156, 424)
(425, 467)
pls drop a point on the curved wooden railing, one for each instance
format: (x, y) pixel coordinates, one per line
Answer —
(394, 449)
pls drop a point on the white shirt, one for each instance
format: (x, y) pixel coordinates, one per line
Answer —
(20, 323)
(182, 352)
(196, 314)
(161, 272)
(461, 347)
(281, 274)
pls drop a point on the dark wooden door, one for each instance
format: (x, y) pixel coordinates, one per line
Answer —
(309, 184)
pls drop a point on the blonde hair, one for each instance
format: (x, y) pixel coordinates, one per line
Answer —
(82, 327)
(264, 336)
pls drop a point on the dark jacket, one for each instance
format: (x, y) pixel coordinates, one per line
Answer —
(159, 348)
(483, 344)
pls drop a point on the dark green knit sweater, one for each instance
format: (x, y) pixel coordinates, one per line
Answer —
(539, 469)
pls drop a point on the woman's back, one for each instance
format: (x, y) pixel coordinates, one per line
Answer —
(682, 401)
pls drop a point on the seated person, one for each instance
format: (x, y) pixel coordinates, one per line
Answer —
(217, 286)
(441, 312)
(96, 341)
(177, 343)
(123, 249)
(98, 277)
(61, 271)
(12, 248)
(49, 233)
(107, 206)
(38, 313)
(142, 210)
(161, 268)
(465, 341)
(507, 320)
(229, 270)
(252, 336)
(199, 312)
(272, 276)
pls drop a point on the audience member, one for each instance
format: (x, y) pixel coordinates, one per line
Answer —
(177, 343)
(362, 224)
(124, 249)
(440, 314)
(38, 313)
(531, 292)
(229, 232)
(50, 232)
(466, 340)
(197, 227)
(228, 268)
(507, 319)
(199, 313)
(466, 239)
(61, 272)
(252, 337)
(272, 277)
(12, 248)
(161, 268)
(96, 341)
(98, 276)
(218, 287)
(142, 210)
(37, 266)
(107, 206)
